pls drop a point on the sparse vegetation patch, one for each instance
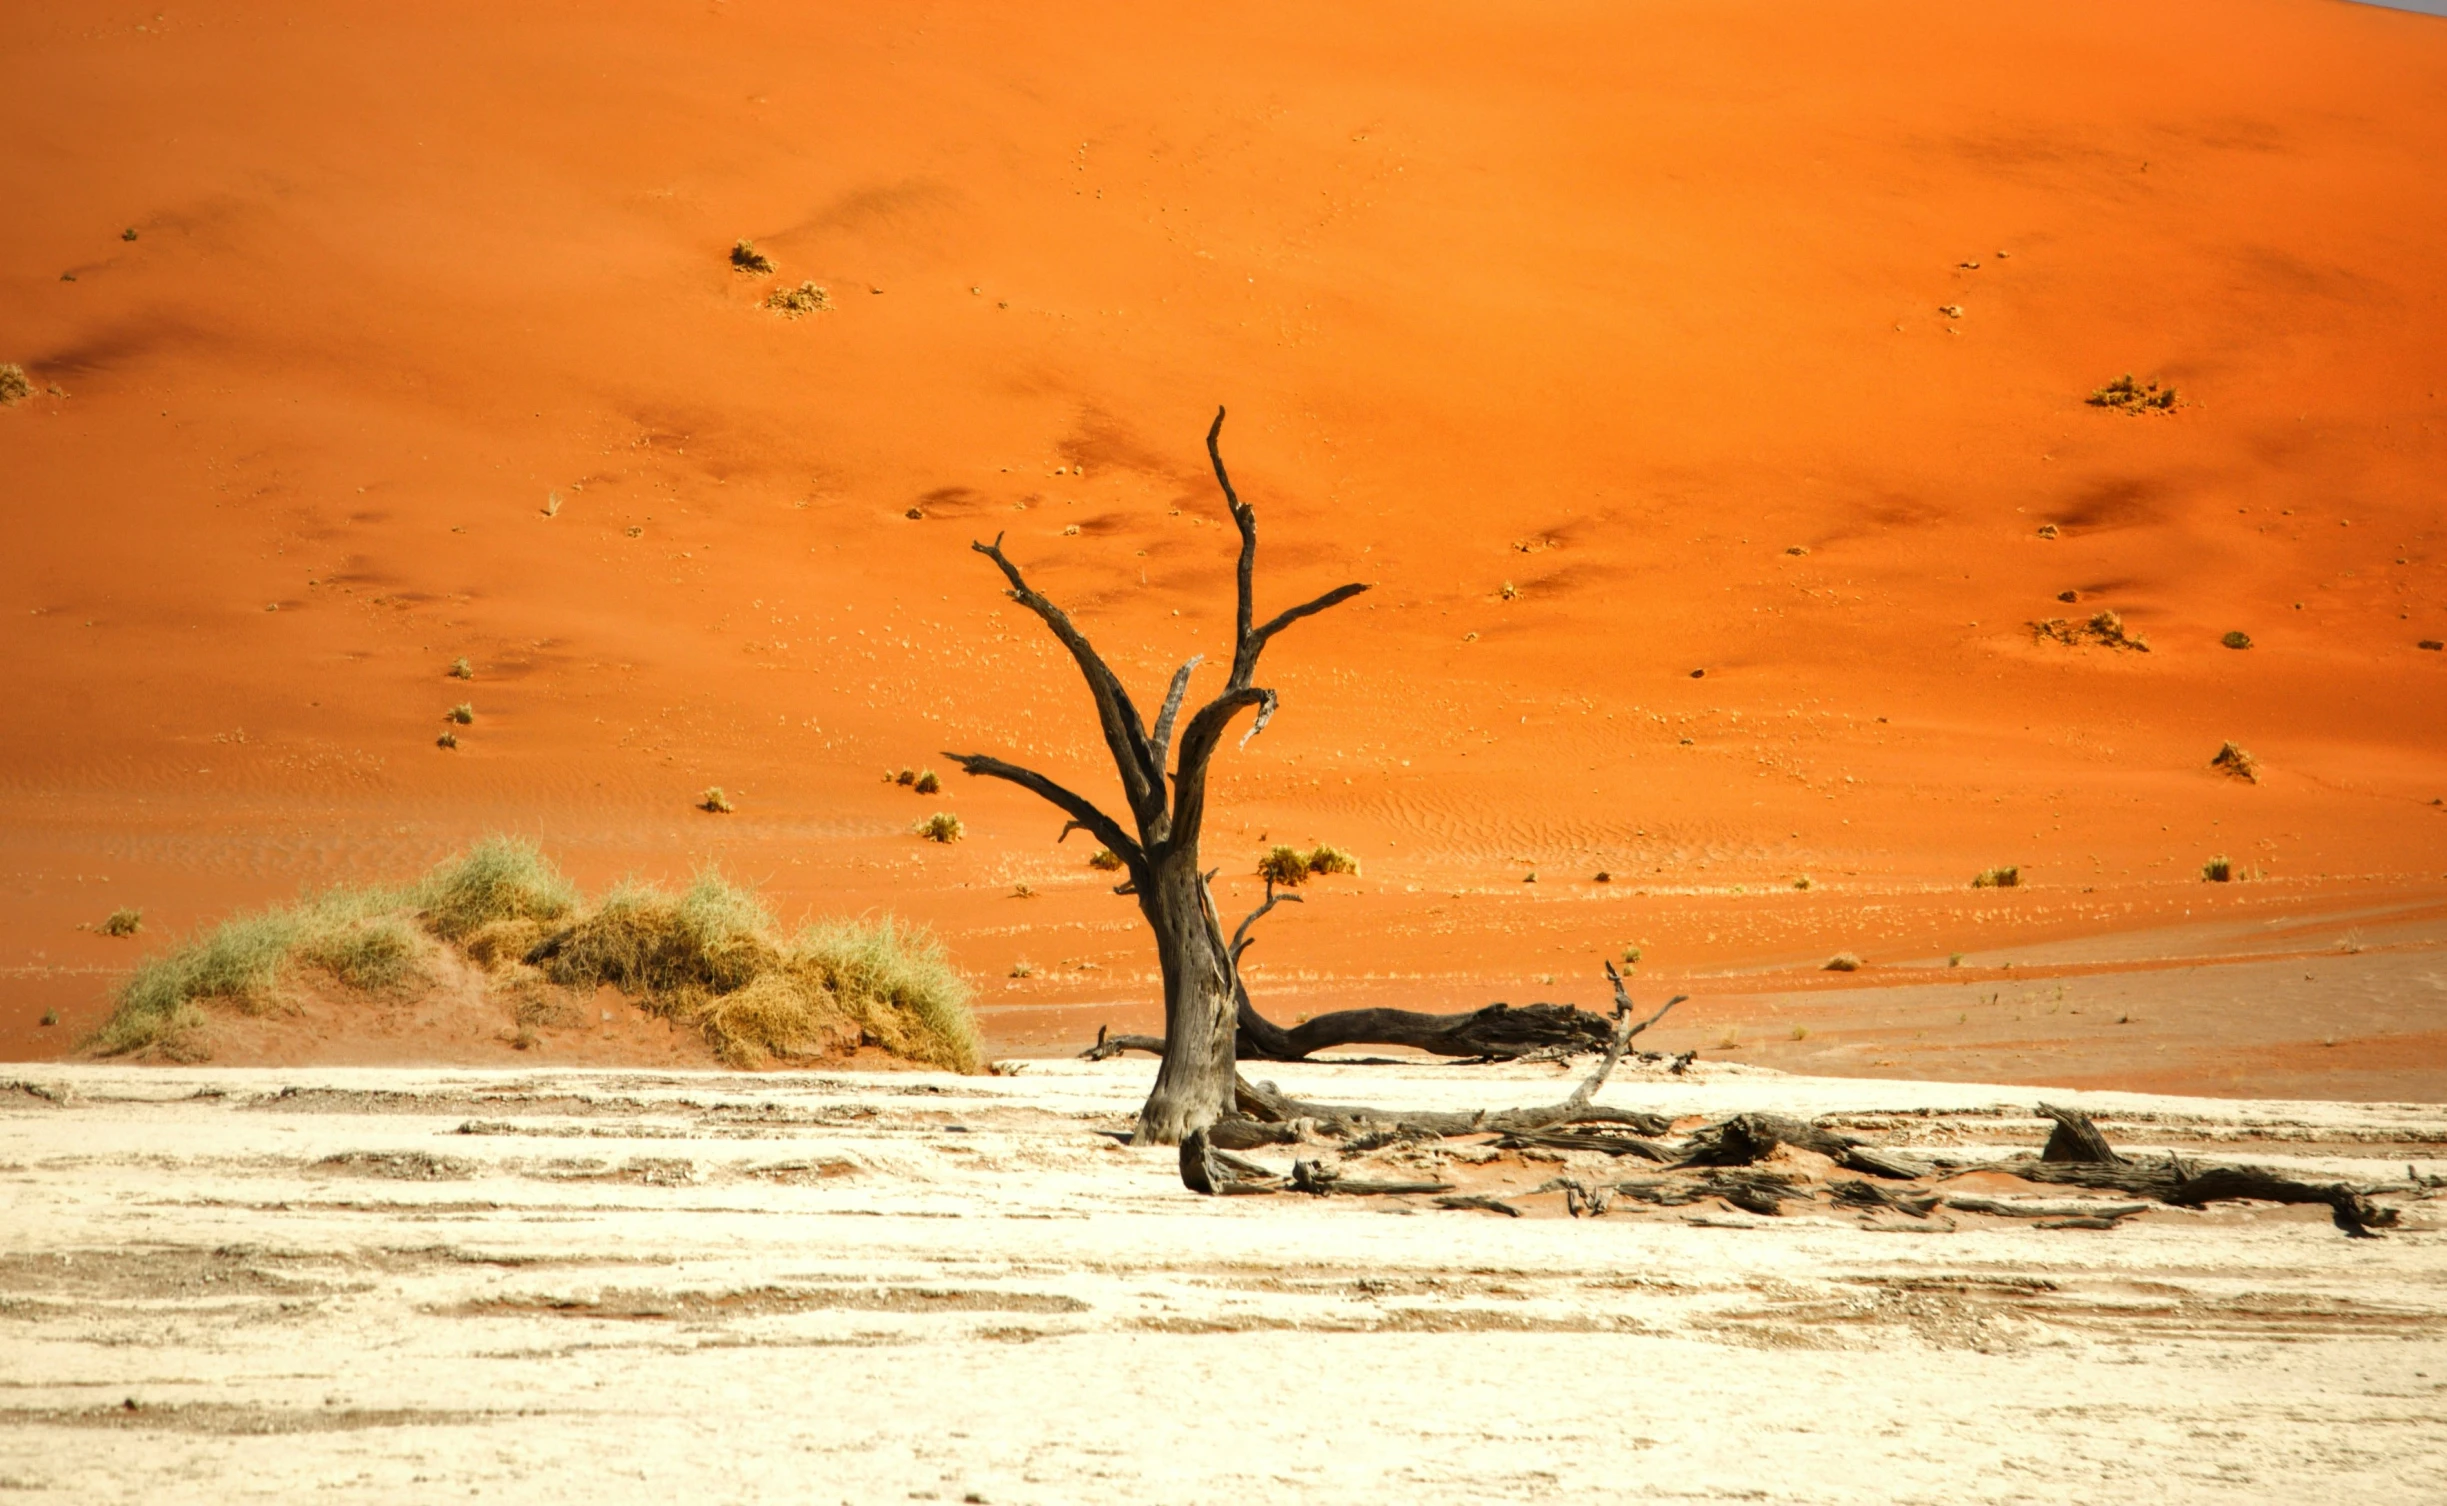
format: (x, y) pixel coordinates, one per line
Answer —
(746, 258)
(15, 386)
(793, 303)
(2127, 396)
(942, 826)
(1105, 860)
(2104, 628)
(2237, 640)
(1843, 962)
(123, 923)
(2008, 877)
(713, 802)
(2232, 758)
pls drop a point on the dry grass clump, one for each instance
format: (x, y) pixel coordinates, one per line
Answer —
(2007, 877)
(2218, 870)
(464, 714)
(358, 938)
(15, 386)
(1842, 962)
(1324, 860)
(2237, 639)
(942, 826)
(1288, 867)
(926, 783)
(746, 258)
(1283, 865)
(2128, 396)
(460, 669)
(709, 959)
(714, 802)
(498, 879)
(2104, 627)
(2234, 759)
(793, 303)
(1105, 860)
(123, 922)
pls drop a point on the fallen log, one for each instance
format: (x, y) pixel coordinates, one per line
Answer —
(2080, 1164)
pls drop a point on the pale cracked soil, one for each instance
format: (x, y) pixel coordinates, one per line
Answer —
(336, 1284)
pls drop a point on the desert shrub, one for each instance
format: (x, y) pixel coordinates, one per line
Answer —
(1285, 866)
(746, 258)
(123, 923)
(15, 386)
(463, 713)
(926, 783)
(714, 801)
(2128, 396)
(1998, 878)
(460, 669)
(1842, 962)
(2218, 870)
(942, 826)
(1332, 860)
(2233, 758)
(447, 741)
(793, 303)
(1803, 882)
(1105, 860)
(500, 878)
(2237, 640)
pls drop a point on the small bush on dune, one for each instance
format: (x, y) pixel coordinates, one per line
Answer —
(1332, 860)
(1998, 878)
(2234, 759)
(2218, 870)
(15, 386)
(942, 826)
(1843, 962)
(926, 783)
(123, 923)
(1105, 860)
(792, 303)
(647, 944)
(1285, 866)
(714, 801)
(746, 258)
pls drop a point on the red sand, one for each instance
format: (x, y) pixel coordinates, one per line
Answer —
(1614, 304)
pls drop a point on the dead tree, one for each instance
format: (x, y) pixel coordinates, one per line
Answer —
(1166, 811)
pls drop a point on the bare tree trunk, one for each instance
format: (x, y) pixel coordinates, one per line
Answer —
(1193, 1086)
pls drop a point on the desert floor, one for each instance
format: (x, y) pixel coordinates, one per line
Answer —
(229, 1284)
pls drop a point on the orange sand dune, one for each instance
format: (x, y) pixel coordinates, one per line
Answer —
(1569, 331)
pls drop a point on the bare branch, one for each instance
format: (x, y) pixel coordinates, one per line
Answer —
(1241, 939)
(1198, 743)
(1079, 808)
(1245, 518)
(1125, 734)
(1335, 597)
(1163, 738)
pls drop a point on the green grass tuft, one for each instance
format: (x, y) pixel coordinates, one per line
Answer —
(460, 669)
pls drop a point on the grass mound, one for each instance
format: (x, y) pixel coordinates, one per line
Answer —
(711, 957)
(1289, 867)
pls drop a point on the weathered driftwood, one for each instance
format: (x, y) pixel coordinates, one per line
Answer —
(1473, 1201)
(2085, 1159)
